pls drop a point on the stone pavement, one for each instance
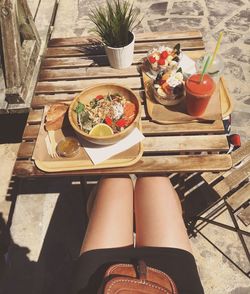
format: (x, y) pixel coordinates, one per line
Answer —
(47, 214)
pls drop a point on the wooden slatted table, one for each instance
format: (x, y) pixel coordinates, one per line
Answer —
(68, 67)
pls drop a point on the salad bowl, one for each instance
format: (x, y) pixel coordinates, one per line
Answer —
(104, 114)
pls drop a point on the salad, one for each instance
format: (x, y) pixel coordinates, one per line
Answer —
(113, 110)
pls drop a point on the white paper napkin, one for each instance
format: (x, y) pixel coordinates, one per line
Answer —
(98, 153)
(187, 64)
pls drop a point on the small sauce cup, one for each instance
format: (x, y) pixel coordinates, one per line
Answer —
(68, 147)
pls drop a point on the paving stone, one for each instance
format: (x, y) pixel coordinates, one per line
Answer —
(157, 8)
(247, 41)
(228, 242)
(187, 8)
(216, 276)
(244, 98)
(8, 157)
(247, 101)
(235, 70)
(174, 24)
(220, 8)
(241, 118)
(83, 7)
(240, 21)
(217, 11)
(236, 53)
(30, 222)
(240, 290)
(229, 37)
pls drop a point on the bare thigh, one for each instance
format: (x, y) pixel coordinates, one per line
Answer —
(111, 219)
(158, 214)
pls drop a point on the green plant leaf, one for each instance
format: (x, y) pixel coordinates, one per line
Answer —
(114, 21)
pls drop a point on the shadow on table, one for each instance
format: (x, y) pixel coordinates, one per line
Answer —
(51, 273)
(96, 53)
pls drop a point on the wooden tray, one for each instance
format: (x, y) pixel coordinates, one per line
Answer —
(82, 161)
(176, 114)
(226, 99)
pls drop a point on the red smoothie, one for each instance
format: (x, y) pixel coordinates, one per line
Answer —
(198, 94)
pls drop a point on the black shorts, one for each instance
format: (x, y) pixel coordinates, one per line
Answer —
(177, 263)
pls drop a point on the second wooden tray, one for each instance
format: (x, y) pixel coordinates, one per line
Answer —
(171, 115)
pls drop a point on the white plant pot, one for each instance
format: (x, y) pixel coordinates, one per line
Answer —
(121, 57)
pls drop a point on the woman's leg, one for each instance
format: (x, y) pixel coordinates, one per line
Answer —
(158, 214)
(111, 219)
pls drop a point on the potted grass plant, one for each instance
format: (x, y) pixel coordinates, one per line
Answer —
(114, 24)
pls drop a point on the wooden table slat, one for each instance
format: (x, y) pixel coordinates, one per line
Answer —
(185, 143)
(236, 177)
(151, 128)
(71, 62)
(168, 35)
(78, 41)
(239, 197)
(79, 85)
(190, 44)
(40, 100)
(86, 72)
(26, 150)
(237, 156)
(31, 132)
(152, 145)
(35, 116)
(244, 215)
(147, 165)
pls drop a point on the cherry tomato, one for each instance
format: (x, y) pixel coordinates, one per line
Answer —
(164, 54)
(152, 59)
(161, 61)
(108, 120)
(121, 123)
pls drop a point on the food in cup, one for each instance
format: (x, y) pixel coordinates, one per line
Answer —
(164, 58)
(168, 87)
(198, 93)
(68, 147)
(105, 115)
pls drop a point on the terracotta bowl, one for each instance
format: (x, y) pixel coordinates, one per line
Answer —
(104, 89)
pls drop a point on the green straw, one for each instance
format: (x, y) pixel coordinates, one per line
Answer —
(204, 69)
